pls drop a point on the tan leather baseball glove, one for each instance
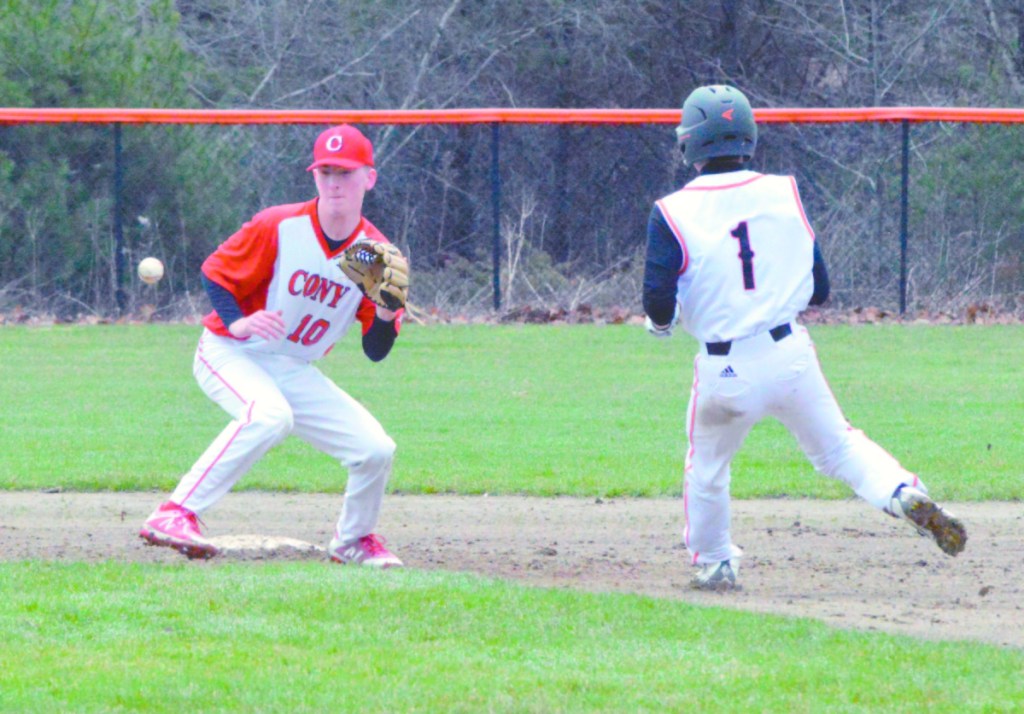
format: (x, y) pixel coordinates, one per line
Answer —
(380, 270)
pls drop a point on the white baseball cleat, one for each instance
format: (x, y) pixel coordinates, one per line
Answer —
(717, 577)
(172, 526)
(368, 550)
(929, 518)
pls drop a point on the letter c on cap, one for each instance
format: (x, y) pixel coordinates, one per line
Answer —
(334, 143)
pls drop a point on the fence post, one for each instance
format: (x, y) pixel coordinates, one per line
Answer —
(119, 252)
(905, 179)
(496, 213)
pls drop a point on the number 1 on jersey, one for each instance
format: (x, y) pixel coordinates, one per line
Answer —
(746, 255)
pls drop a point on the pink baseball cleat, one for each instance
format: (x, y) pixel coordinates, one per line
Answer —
(368, 550)
(175, 527)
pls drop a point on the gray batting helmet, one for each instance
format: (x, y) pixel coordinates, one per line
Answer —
(717, 121)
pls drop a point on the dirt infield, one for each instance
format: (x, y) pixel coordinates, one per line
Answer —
(840, 562)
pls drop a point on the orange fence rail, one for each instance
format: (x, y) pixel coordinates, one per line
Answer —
(495, 117)
(18, 115)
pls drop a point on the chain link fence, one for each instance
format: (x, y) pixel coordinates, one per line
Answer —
(497, 217)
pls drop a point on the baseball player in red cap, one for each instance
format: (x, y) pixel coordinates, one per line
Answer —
(280, 302)
(732, 258)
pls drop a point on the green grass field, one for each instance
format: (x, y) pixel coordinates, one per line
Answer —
(311, 638)
(543, 410)
(536, 410)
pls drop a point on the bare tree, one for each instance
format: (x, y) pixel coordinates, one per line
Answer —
(591, 187)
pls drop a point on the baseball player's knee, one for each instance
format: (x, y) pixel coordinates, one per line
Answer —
(845, 452)
(707, 485)
(709, 477)
(829, 463)
(377, 453)
(382, 450)
(274, 419)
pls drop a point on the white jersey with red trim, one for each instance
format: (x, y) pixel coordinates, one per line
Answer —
(748, 252)
(280, 261)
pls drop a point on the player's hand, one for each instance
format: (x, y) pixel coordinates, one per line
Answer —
(658, 330)
(268, 325)
(662, 330)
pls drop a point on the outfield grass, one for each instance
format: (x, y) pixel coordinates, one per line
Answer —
(542, 410)
(581, 410)
(310, 638)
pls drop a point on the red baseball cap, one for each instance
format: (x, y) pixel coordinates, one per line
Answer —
(343, 146)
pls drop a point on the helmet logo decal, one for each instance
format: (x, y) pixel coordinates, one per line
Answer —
(727, 114)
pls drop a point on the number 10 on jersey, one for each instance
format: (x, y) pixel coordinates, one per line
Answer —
(311, 335)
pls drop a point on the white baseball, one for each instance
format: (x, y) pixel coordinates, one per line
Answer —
(151, 270)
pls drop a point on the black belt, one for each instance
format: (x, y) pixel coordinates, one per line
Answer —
(721, 349)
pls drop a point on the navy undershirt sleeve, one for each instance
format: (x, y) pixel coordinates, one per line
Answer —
(379, 339)
(822, 286)
(223, 302)
(661, 270)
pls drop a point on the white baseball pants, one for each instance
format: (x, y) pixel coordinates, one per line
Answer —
(271, 396)
(758, 378)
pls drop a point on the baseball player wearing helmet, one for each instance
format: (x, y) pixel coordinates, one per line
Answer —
(732, 258)
(280, 302)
